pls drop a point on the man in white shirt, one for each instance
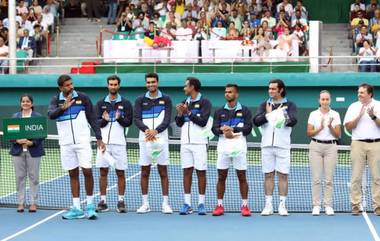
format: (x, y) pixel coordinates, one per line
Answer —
(268, 17)
(184, 32)
(4, 51)
(361, 119)
(287, 6)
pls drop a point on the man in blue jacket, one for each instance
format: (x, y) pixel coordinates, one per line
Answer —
(192, 116)
(74, 113)
(152, 113)
(114, 113)
(276, 117)
(232, 123)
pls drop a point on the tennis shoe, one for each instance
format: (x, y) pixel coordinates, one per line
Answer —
(91, 213)
(329, 211)
(268, 210)
(186, 209)
(282, 209)
(316, 211)
(102, 207)
(201, 209)
(120, 208)
(74, 213)
(166, 209)
(144, 209)
(245, 211)
(218, 211)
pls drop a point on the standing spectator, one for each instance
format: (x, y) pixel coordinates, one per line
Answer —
(124, 24)
(112, 9)
(276, 117)
(4, 53)
(300, 7)
(362, 120)
(36, 7)
(38, 36)
(286, 6)
(93, 11)
(367, 55)
(26, 157)
(218, 17)
(75, 114)
(236, 19)
(21, 8)
(254, 22)
(161, 7)
(47, 19)
(122, 6)
(324, 128)
(190, 12)
(297, 18)
(271, 21)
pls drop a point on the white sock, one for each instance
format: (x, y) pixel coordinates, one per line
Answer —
(220, 202)
(90, 199)
(103, 198)
(188, 199)
(201, 199)
(268, 199)
(121, 198)
(76, 202)
(165, 200)
(244, 202)
(145, 200)
(283, 199)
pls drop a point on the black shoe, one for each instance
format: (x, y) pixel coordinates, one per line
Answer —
(121, 207)
(102, 207)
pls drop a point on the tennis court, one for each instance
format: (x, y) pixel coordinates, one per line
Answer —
(300, 225)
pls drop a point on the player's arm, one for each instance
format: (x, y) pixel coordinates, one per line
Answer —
(99, 114)
(259, 119)
(216, 124)
(292, 113)
(127, 119)
(168, 114)
(137, 115)
(205, 114)
(54, 111)
(179, 118)
(247, 128)
(91, 118)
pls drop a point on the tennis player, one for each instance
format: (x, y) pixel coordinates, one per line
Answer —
(276, 117)
(74, 114)
(114, 114)
(192, 116)
(362, 119)
(152, 116)
(232, 123)
(324, 129)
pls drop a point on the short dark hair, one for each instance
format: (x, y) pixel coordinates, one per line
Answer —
(29, 97)
(280, 85)
(195, 83)
(152, 75)
(370, 89)
(233, 86)
(113, 77)
(62, 79)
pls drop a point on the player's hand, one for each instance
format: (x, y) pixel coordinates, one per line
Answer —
(229, 134)
(68, 102)
(362, 111)
(179, 109)
(370, 112)
(331, 121)
(117, 115)
(28, 143)
(150, 135)
(268, 108)
(225, 128)
(322, 122)
(101, 146)
(21, 141)
(106, 116)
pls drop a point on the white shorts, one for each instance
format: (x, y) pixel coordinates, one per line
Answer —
(194, 155)
(275, 159)
(76, 155)
(224, 161)
(146, 158)
(118, 152)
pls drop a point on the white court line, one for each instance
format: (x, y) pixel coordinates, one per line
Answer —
(371, 227)
(58, 213)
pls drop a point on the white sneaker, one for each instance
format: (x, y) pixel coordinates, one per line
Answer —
(166, 209)
(144, 209)
(268, 210)
(316, 211)
(282, 209)
(329, 211)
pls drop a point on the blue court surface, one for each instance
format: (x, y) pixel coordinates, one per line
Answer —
(47, 225)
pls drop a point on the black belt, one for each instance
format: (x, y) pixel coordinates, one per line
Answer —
(370, 140)
(325, 142)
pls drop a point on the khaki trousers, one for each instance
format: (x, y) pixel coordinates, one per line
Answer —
(361, 153)
(323, 159)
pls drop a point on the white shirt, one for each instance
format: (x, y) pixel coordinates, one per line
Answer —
(368, 55)
(218, 33)
(4, 49)
(184, 33)
(366, 128)
(315, 119)
(361, 6)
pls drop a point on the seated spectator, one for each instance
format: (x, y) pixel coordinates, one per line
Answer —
(6, 21)
(129, 13)
(357, 10)
(286, 6)
(27, 43)
(218, 17)
(254, 7)
(53, 6)
(233, 33)
(297, 19)
(357, 3)
(361, 37)
(47, 19)
(168, 32)
(236, 19)
(193, 26)
(21, 8)
(356, 21)
(284, 16)
(152, 31)
(204, 19)
(280, 27)
(224, 8)
(367, 55)
(246, 32)
(190, 12)
(271, 21)
(201, 33)
(157, 20)
(4, 51)
(299, 6)
(218, 32)
(269, 5)
(39, 38)
(124, 25)
(184, 33)
(285, 42)
(141, 22)
(375, 22)
(31, 15)
(179, 8)
(36, 7)
(197, 6)
(371, 8)
(254, 22)
(25, 23)
(262, 43)
(267, 30)
(173, 20)
(161, 8)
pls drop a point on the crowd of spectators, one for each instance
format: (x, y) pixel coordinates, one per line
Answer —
(365, 30)
(266, 24)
